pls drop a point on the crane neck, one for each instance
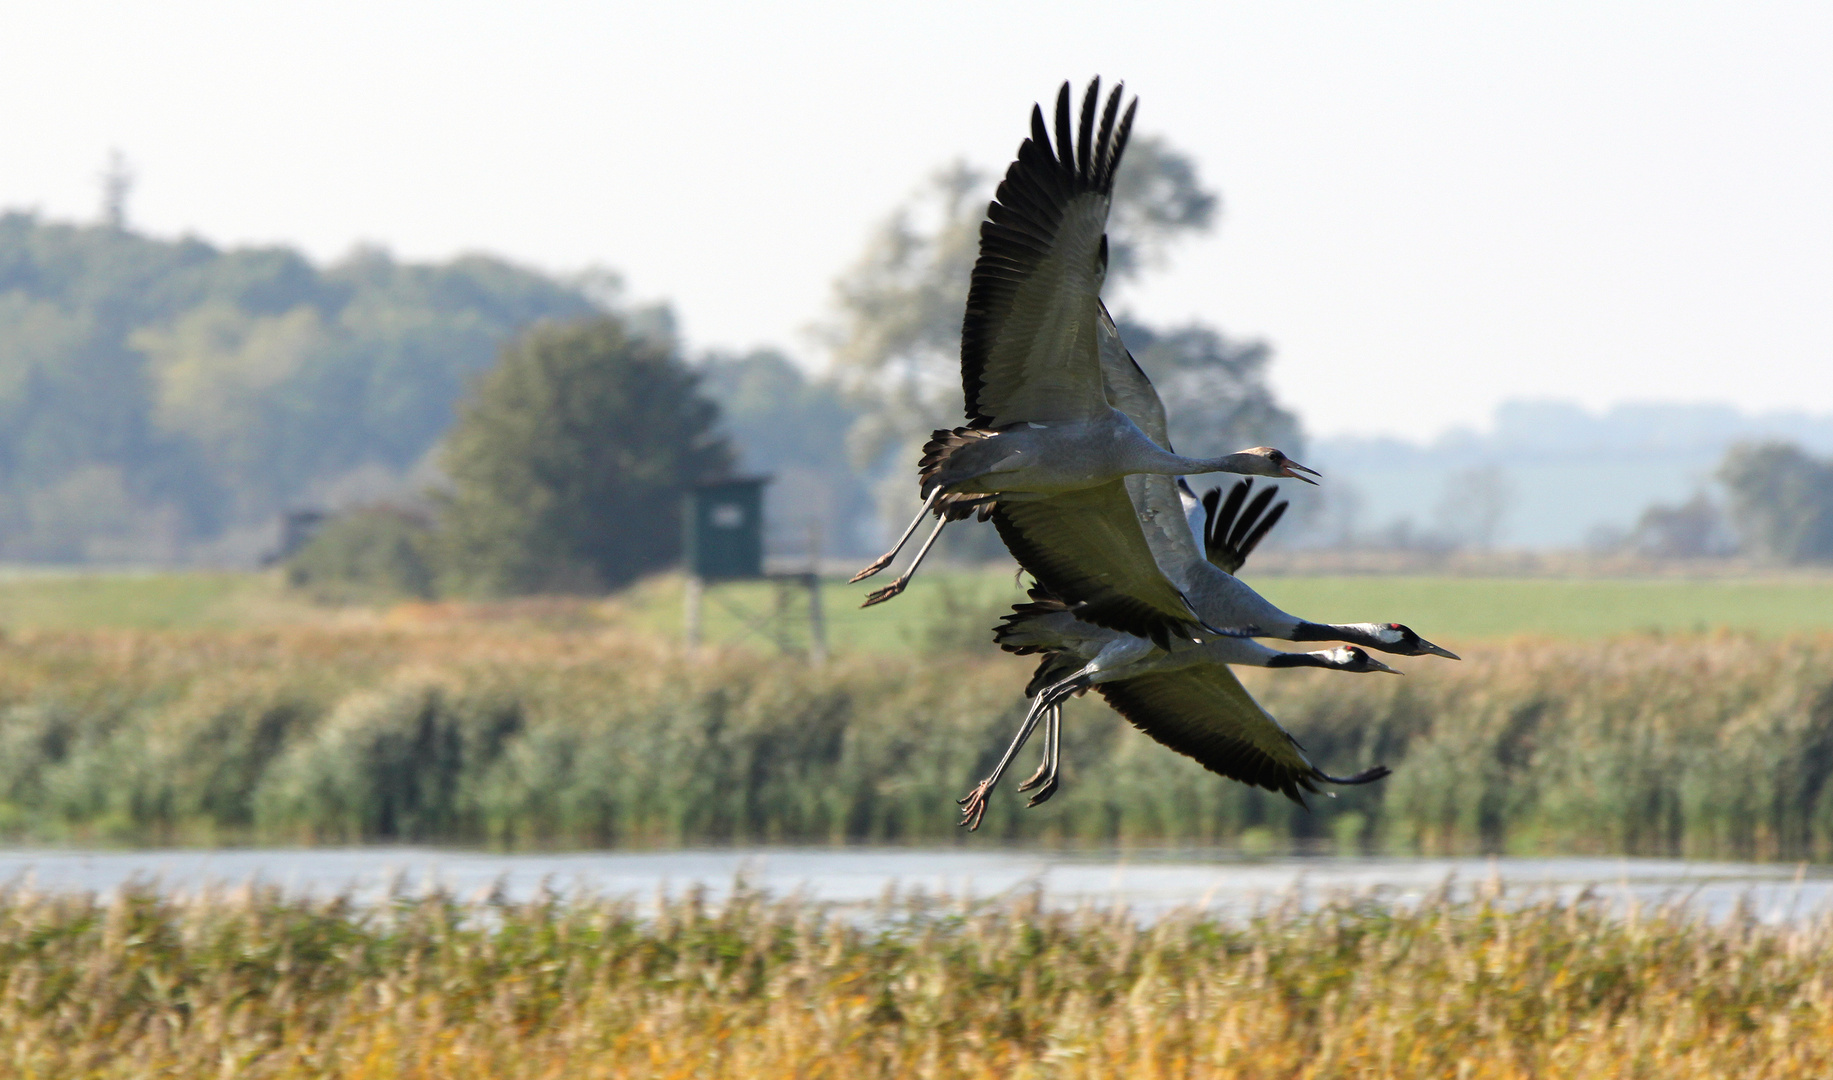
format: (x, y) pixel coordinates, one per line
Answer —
(1378, 636)
(1243, 464)
(1335, 659)
(1300, 659)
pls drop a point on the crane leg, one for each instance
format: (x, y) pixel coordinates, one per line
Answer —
(1048, 701)
(974, 803)
(1043, 767)
(885, 560)
(879, 596)
(1053, 758)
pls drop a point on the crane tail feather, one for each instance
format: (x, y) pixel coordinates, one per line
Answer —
(1366, 776)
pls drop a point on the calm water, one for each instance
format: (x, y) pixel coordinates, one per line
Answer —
(1145, 883)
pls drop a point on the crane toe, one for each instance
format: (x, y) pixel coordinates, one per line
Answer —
(879, 596)
(974, 805)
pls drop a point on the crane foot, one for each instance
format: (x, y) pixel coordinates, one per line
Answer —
(879, 564)
(974, 805)
(879, 596)
(1044, 793)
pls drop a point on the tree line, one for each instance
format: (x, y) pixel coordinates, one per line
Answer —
(1778, 507)
(165, 401)
(161, 400)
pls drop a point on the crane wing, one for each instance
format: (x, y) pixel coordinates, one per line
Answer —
(1204, 712)
(1166, 529)
(1045, 624)
(1029, 341)
(1156, 499)
(1128, 388)
(1231, 531)
(1087, 548)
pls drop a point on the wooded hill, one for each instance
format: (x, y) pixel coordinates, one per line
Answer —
(162, 399)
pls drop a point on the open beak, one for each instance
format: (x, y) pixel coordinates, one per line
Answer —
(1293, 468)
(1427, 647)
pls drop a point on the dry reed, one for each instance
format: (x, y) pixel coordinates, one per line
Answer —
(256, 985)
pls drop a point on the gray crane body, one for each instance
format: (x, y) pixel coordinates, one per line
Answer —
(1111, 655)
(1221, 599)
(1048, 458)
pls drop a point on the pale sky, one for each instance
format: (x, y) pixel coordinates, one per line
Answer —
(1429, 208)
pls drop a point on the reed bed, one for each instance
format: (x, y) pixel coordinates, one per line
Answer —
(257, 985)
(509, 733)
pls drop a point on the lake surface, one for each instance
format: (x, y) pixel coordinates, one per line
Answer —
(1147, 883)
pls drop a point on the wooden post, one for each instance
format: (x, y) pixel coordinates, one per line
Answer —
(817, 621)
(692, 598)
(817, 625)
(779, 622)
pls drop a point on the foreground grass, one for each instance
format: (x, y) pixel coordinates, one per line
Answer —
(490, 730)
(258, 986)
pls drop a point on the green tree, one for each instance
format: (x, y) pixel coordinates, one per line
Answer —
(793, 428)
(1694, 529)
(896, 338)
(1214, 388)
(1781, 501)
(202, 390)
(373, 553)
(569, 459)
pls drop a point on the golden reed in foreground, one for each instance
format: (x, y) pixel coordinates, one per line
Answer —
(257, 986)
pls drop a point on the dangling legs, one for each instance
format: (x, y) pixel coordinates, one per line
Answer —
(974, 803)
(885, 559)
(1043, 766)
(1048, 772)
(1049, 700)
(879, 596)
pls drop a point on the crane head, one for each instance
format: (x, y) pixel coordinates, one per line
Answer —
(1396, 638)
(1351, 658)
(1278, 464)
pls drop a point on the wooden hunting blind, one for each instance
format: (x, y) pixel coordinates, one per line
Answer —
(723, 541)
(725, 529)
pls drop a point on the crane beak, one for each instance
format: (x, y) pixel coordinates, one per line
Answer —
(1376, 665)
(1293, 468)
(1427, 647)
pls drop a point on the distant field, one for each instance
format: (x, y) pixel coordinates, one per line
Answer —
(956, 608)
(962, 606)
(86, 601)
(951, 609)
(1477, 608)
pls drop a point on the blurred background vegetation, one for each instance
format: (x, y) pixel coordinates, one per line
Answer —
(466, 477)
(564, 723)
(169, 403)
(166, 402)
(162, 401)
